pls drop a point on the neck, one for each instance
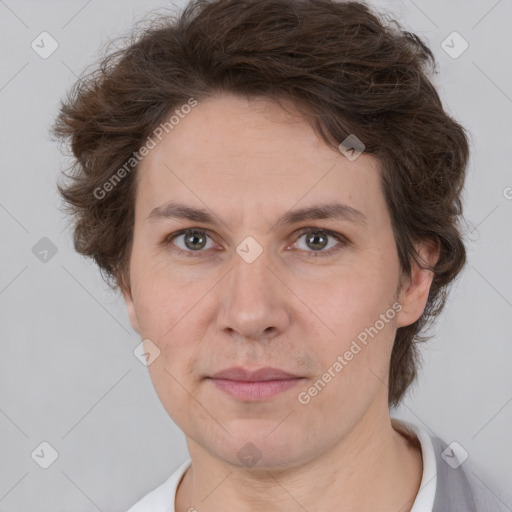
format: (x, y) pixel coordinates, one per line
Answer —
(374, 467)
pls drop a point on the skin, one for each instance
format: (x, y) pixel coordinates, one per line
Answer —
(248, 162)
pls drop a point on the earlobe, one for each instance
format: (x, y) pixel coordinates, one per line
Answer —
(130, 306)
(415, 289)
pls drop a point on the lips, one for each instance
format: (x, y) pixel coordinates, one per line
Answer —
(261, 375)
(256, 385)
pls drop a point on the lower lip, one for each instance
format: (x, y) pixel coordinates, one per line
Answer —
(254, 391)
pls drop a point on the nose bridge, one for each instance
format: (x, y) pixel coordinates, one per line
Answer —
(253, 300)
(251, 278)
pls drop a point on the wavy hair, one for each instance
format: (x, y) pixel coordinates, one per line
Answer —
(347, 68)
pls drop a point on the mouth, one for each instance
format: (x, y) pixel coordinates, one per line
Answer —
(256, 385)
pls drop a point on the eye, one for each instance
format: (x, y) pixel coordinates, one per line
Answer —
(316, 241)
(189, 241)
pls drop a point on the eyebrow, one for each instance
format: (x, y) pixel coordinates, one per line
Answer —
(337, 211)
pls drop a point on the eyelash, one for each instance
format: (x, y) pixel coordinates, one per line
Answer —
(343, 241)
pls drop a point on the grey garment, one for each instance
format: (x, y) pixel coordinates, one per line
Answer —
(463, 489)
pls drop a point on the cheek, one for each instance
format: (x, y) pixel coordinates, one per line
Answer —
(171, 314)
(348, 301)
(160, 299)
(356, 322)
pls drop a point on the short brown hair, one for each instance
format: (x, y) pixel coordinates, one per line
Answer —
(348, 69)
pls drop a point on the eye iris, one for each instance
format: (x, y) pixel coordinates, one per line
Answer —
(195, 240)
(312, 240)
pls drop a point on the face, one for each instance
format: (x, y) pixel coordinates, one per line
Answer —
(255, 281)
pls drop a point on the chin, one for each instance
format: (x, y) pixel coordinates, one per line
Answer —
(261, 446)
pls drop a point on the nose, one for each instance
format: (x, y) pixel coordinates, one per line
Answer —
(253, 301)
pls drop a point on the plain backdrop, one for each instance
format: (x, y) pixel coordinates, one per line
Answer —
(68, 375)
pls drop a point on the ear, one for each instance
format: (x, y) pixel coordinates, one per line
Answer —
(130, 306)
(415, 289)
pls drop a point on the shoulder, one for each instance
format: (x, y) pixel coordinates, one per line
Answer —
(462, 485)
(487, 495)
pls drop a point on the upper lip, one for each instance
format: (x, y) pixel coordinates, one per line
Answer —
(263, 374)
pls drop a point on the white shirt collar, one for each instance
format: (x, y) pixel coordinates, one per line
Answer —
(424, 501)
(163, 497)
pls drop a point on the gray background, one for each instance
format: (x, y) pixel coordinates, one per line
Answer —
(68, 375)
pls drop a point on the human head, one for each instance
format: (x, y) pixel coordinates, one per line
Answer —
(338, 63)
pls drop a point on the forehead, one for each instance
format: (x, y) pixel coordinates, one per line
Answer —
(250, 154)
